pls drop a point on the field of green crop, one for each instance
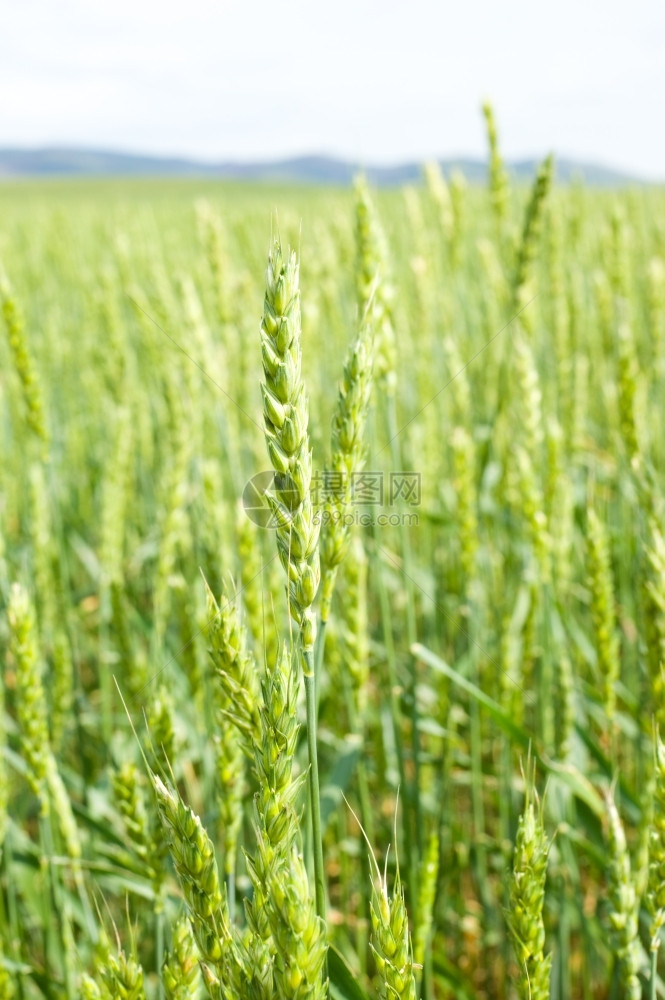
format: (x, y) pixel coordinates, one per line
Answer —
(431, 767)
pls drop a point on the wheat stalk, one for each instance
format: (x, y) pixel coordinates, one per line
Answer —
(498, 179)
(286, 418)
(347, 459)
(23, 362)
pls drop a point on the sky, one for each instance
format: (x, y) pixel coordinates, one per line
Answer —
(376, 82)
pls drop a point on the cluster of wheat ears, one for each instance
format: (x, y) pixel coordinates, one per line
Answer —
(333, 759)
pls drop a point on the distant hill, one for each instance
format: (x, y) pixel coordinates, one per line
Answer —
(74, 162)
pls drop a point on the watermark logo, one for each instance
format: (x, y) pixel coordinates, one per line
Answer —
(255, 498)
(366, 518)
(364, 498)
(367, 489)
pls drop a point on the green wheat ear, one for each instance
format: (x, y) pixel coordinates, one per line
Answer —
(123, 978)
(298, 933)
(655, 592)
(391, 939)
(196, 866)
(129, 796)
(347, 458)
(374, 286)
(237, 674)
(440, 194)
(655, 895)
(426, 898)
(498, 178)
(23, 362)
(524, 278)
(285, 411)
(30, 695)
(180, 971)
(90, 989)
(603, 611)
(527, 897)
(624, 905)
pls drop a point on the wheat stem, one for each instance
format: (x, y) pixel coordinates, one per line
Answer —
(314, 793)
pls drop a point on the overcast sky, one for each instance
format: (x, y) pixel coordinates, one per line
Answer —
(375, 80)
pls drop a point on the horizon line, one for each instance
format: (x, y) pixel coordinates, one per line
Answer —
(571, 164)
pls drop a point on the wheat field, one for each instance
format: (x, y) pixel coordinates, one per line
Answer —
(332, 590)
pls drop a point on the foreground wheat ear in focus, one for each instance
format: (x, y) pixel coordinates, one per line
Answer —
(421, 760)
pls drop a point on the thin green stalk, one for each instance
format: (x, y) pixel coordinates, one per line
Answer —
(412, 790)
(106, 688)
(12, 922)
(366, 818)
(159, 946)
(231, 894)
(477, 788)
(395, 715)
(564, 943)
(319, 650)
(361, 771)
(427, 980)
(505, 821)
(51, 906)
(547, 698)
(475, 727)
(396, 457)
(314, 793)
